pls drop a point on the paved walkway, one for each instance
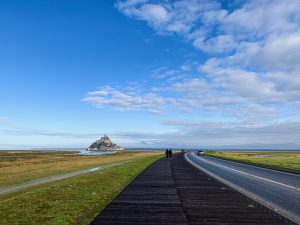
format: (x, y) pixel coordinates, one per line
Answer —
(173, 192)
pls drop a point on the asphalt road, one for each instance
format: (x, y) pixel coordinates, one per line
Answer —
(279, 191)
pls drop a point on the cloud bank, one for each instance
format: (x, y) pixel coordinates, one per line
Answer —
(219, 134)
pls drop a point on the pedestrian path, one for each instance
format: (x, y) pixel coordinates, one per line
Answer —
(173, 192)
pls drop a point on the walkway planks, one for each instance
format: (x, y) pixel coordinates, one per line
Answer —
(151, 199)
(173, 192)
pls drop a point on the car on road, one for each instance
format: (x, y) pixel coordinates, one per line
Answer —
(200, 153)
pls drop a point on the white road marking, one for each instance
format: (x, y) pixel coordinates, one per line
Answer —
(248, 174)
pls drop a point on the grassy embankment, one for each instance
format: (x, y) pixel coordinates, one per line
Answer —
(281, 160)
(17, 167)
(72, 201)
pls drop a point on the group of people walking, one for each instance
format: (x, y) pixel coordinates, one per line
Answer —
(168, 153)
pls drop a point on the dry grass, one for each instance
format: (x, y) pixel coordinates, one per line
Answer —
(23, 166)
(282, 160)
(23, 153)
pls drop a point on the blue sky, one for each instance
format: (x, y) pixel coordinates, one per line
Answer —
(183, 73)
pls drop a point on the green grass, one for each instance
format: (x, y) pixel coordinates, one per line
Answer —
(72, 201)
(17, 167)
(280, 160)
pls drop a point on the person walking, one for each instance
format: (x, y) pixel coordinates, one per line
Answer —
(167, 153)
(170, 153)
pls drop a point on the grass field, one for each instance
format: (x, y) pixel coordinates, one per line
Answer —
(281, 160)
(75, 200)
(17, 167)
(24, 153)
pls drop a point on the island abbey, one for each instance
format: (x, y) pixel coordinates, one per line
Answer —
(104, 144)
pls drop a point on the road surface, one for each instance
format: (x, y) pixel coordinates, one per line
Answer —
(279, 191)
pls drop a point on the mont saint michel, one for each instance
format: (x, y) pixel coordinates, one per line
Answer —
(104, 144)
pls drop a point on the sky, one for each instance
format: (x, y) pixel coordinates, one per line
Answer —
(150, 73)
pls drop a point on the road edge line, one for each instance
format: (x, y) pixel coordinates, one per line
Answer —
(276, 209)
(257, 165)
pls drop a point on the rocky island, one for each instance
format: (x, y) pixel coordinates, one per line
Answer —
(104, 144)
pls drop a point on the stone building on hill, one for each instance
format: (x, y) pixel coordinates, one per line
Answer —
(104, 144)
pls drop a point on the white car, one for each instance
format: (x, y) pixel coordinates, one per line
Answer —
(200, 153)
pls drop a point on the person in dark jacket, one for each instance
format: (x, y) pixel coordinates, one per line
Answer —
(170, 153)
(167, 153)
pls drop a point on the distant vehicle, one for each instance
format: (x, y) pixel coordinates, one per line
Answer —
(200, 153)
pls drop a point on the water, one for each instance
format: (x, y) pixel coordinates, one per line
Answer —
(85, 152)
(95, 169)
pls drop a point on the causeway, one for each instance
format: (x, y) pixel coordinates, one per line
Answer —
(173, 192)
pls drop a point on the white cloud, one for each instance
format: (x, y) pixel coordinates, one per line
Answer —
(234, 92)
(166, 16)
(219, 134)
(156, 13)
(253, 42)
(260, 18)
(214, 29)
(273, 86)
(126, 100)
(278, 52)
(218, 44)
(236, 133)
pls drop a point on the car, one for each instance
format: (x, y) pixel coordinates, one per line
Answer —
(200, 153)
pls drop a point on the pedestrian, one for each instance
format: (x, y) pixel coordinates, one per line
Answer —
(170, 153)
(167, 153)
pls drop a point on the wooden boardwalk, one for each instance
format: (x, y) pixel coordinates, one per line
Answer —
(173, 192)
